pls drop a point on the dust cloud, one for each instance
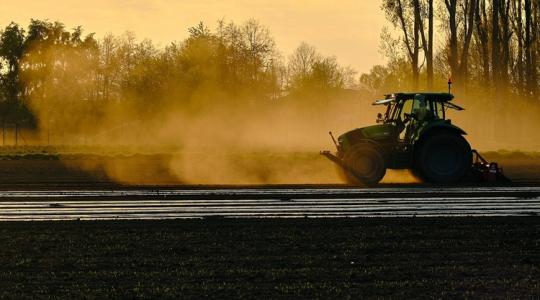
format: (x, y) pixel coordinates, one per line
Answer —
(207, 136)
(499, 122)
(270, 143)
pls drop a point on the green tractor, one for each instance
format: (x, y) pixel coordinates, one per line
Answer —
(414, 134)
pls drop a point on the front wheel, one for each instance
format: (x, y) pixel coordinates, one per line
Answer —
(363, 163)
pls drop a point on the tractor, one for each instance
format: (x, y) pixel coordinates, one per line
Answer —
(414, 133)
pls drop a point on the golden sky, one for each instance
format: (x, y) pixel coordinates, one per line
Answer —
(348, 29)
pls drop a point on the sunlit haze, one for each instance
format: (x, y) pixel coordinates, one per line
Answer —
(348, 29)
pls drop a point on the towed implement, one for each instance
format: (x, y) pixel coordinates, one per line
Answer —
(414, 134)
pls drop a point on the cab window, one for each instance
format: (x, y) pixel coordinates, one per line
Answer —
(438, 108)
(407, 108)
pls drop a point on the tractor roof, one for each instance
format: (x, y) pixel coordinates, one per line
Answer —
(443, 98)
(437, 97)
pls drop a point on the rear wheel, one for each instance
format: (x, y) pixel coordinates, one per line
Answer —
(444, 158)
(363, 163)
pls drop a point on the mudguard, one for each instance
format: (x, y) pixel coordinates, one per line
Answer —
(441, 125)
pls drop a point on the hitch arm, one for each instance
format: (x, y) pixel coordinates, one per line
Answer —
(333, 158)
(334, 140)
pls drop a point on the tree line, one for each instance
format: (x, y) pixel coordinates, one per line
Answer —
(53, 75)
(490, 46)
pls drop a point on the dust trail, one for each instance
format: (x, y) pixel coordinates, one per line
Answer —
(218, 116)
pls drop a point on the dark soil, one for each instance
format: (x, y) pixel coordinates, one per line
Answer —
(304, 258)
(88, 170)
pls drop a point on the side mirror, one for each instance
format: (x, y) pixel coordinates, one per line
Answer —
(379, 118)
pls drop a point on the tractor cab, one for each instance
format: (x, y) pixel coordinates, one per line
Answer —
(412, 113)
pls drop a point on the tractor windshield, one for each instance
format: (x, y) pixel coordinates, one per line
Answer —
(389, 114)
(396, 110)
(391, 109)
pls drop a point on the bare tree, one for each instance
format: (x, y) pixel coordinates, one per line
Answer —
(482, 37)
(517, 24)
(460, 12)
(427, 43)
(495, 41)
(407, 17)
(505, 40)
(429, 49)
(531, 31)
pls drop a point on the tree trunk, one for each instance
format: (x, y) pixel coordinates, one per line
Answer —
(429, 52)
(495, 42)
(416, 50)
(518, 27)
(481, 28)
(451, 6)
(505, 42)
(531, 18)
(468, 29)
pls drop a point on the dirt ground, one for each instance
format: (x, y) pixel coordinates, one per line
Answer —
(202, 169)
(495, 258)
(223, 258)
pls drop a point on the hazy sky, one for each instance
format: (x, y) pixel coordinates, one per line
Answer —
(348, 29)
